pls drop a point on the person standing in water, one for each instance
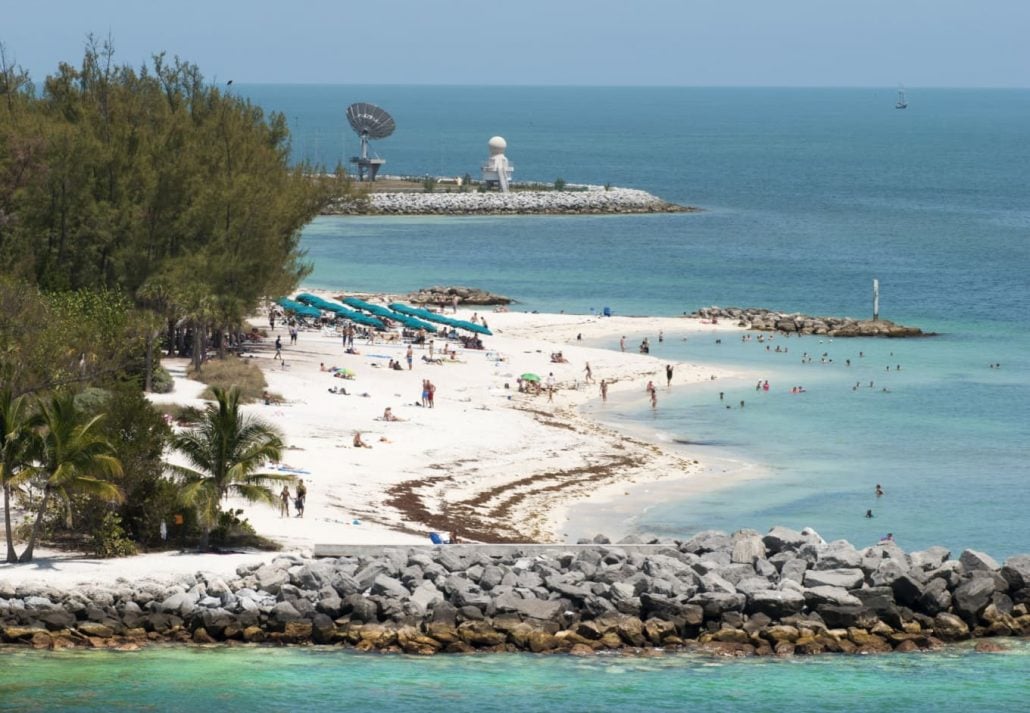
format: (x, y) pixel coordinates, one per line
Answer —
(668, 375)
(604, 391)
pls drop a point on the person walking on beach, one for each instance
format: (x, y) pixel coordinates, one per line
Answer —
(408, 357)
(425, 392)
(293, 334)
(668, 375)
(550, 386)
(589, 374)
(284, 502)
(302, 496)
(278, 348)
(431, 388)
(454, 304)
(604, 391)
(622, 343)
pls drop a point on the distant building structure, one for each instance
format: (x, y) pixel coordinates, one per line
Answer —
(497, 170)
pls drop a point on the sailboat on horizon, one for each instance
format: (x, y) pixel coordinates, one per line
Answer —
(902, 103)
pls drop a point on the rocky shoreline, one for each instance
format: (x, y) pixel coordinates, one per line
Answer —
(595, 200)
(784, 593)
(766, 320)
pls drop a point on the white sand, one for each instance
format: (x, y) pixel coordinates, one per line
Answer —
(489, 461)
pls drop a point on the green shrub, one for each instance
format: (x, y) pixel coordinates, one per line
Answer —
(559, 184)
(428, 184)
(110, 540)
(232, 371)
(161, 381)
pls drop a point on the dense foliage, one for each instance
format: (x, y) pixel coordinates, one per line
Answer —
(134, 202)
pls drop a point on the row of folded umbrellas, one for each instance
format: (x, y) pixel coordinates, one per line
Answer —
(309, 305)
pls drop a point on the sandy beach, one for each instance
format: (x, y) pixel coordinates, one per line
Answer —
(486, 461)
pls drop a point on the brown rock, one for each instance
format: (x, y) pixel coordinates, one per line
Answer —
(784, 648)
(479, 634)
(989, 647)
(906, 647)
(588, 630)
(780, 633)
(540, 641)
(581, 650)
(728, 648)
(413, 641)
(949, 627)
(90, 628)
(611, 640)
(296, 631)
(254, 634)
(631, 630)
(200, 636)
(867, 642)
(735, 636)
(658, 629)
(42, 640)
(15, 634)
(442, 631)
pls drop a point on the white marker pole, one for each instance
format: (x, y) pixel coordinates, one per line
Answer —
(876, 299)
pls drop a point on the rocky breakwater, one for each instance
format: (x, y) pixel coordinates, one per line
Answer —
(438, 295)
(593, 200)
(743, 594)
(766, 320)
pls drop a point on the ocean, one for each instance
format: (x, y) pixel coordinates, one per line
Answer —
(807, 195)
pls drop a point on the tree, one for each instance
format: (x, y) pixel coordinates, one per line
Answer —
(72, 456)
(15, 435)
(226, 452)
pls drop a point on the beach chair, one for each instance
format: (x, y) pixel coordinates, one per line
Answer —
(435, 538)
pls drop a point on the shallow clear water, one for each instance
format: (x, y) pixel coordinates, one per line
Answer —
(249, 679)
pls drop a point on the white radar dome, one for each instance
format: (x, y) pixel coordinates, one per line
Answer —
(497, 144)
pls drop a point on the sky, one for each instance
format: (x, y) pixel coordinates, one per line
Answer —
(921, 43)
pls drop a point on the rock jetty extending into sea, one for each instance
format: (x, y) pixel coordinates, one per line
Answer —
(766, 320)
(593, 200)
(438, 295)
(781, 593)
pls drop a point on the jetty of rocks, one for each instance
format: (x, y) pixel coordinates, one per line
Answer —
(466, 295)
(766, 320)
(739, 594)
(590, 200)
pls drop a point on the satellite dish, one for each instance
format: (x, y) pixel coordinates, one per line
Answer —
(369, 122)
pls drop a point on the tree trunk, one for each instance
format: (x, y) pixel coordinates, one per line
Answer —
(205, 539)
(12, 556)
(198, 346)
(148, 378)
(26, 556)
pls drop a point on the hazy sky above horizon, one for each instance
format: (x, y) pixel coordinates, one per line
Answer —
(952, 43)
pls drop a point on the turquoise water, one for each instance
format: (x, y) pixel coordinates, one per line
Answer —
(248, 679)
(808, 195)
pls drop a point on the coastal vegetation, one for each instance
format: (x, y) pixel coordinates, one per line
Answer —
(141, 209)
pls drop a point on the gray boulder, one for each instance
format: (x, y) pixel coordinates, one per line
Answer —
(907, 590)
(384, 585)
(780, 539)
(887, 572)
(707, 541)
(935, 597)
(750, 585)
(715, 603)
(975, 561)
(846, 578)
(930, 558)
(531, 608)
(972, 596)
(712, 582)
(776, 604)
(747, 547)
(822, 595)
(1017, 572)
(838, 554)
(794, 570)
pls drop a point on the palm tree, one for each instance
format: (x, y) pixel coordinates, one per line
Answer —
(15, 435)
(225, 452)
(71, 455)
